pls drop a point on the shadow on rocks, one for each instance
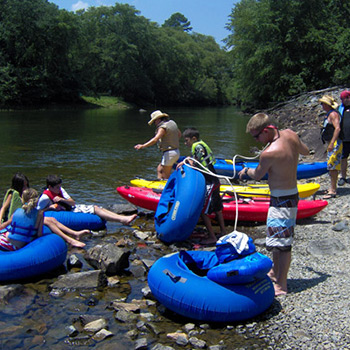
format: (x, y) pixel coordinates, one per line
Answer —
(298, 285)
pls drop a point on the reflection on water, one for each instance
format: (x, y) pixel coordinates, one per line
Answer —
(93, 152)
(93, 149)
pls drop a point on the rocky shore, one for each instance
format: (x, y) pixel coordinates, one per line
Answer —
(102, 299)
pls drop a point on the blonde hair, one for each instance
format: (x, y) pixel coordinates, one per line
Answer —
(258, 122)
(30, 199)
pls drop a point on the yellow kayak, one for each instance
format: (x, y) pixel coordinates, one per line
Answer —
(251, 190)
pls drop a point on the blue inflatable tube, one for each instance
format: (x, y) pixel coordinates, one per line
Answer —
(40, 256)
(305, 170)
(241, 270)
(184, 288)
(180, 205)
(77, 221)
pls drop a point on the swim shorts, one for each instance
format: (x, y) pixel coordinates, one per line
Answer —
(213, 201)
(170, 157)
(83, 208)
(346, 150)
(281, 219)
(334, 157)
(5, 244)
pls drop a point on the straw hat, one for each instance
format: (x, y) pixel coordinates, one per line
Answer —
(156, 115)
(329, 100)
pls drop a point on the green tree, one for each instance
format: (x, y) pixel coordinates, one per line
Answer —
(281, 48)
(34, 57)
(178, 21)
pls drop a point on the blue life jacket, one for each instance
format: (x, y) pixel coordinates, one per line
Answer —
(22, 227)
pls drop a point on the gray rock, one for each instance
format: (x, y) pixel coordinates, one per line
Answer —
(141, 344)
(9, 291)
(325, 247)
(102, 335)
(74, 261)
(80, 280)
(109, 258)
(96, 326)
(341, 226)
(141, 235)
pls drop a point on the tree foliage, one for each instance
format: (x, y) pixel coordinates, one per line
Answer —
(284, 47)
(178, 21)
(51, 55)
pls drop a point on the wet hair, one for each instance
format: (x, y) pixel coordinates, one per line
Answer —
(30, 199)
(18, 181)
(258, 122)
(191, 132)
(53, 180)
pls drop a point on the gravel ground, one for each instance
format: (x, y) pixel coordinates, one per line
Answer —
(314, 314)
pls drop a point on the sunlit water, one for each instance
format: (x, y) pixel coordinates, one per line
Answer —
(93, 151)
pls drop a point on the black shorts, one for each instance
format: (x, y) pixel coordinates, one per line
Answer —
(346, 150)
(213, 201)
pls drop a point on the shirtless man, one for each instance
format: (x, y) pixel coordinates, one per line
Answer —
(279, 160)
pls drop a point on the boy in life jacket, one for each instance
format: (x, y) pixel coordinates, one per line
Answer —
(56, 198)
(201, 152)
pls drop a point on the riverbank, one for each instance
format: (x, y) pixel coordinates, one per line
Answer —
(84, 102)
(33, 315)
(314, 314)
(304, 115)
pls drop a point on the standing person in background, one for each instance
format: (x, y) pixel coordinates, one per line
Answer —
(167, 135)
(344, 110)
(279, 160)
(331, 135)
(201, 152)
(12, 199)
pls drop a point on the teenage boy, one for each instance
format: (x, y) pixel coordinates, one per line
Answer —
(213, 202)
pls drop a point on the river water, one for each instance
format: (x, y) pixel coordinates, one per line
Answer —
(92, 150)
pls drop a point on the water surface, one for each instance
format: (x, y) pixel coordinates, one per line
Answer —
(92, 150)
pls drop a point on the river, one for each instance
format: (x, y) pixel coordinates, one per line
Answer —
(92, 150)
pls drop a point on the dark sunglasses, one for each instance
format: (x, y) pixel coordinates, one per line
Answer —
(258, 134)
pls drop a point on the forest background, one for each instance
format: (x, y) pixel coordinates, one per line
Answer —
(276, 49)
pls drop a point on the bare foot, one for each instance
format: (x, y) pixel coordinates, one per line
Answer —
(272, 276)
(279, 290)
(77, 244)
(78, 234)
(126, 220)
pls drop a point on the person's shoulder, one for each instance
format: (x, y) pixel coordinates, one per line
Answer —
(288, 134)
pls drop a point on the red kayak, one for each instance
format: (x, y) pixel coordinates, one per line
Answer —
(249, 209)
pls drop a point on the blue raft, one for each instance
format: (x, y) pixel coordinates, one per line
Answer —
(181, 282)
(78, 221)
(40, 256)
(180, 205)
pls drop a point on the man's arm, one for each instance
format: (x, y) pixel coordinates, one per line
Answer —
(262, 168)
(335, 120)
(160, 133)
